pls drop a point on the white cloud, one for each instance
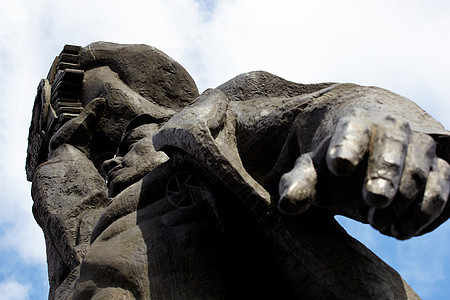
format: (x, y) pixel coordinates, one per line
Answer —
(394, 44)
(13, 290)
(26, 238)
(19, 80)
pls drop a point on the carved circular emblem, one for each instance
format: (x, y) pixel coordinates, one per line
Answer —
(184, 189)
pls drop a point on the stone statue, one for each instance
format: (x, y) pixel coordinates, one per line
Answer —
(147, 190)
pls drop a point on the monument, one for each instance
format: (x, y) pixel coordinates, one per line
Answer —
(146, 189)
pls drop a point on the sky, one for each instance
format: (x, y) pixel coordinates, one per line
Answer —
(400, 45)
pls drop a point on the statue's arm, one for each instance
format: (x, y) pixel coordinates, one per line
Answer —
(69, 194)
(370, 154)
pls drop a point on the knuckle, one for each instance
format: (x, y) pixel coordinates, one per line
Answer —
(444, 168)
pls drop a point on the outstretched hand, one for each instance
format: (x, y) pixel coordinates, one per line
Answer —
(374, 170)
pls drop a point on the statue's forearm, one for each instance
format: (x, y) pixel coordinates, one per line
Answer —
(68, 194)
(317, 113)
(318, 120)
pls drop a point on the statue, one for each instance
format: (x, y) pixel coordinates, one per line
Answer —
(147, 190)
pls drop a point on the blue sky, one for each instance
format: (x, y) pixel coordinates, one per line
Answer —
(401, 45)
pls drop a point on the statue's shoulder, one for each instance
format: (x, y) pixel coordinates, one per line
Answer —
(261, 84)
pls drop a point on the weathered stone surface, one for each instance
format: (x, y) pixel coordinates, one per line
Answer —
(144, 69)
(69, 186)
(154, 191)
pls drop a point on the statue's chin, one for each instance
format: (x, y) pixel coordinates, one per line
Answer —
(118, 184)
(122, 181)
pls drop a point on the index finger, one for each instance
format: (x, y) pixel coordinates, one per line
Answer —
(348, 144)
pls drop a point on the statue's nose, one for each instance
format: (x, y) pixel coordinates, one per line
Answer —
(111, 163)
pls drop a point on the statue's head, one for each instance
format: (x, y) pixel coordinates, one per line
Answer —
(135, 156)
(133, 79)
(145, 70)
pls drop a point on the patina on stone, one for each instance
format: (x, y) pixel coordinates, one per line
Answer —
(147, 190)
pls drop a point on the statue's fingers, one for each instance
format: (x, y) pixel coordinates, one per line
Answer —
(348, 145)
(434, 200)
(436, 191)
(419, 158)
(386, 161)
(297, 188)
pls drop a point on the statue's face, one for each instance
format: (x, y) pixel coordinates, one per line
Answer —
(135, 158)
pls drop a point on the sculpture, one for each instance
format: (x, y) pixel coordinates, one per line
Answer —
(226, 194)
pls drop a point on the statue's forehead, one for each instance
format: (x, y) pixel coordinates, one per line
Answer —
(144, 130)
(134, 135)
